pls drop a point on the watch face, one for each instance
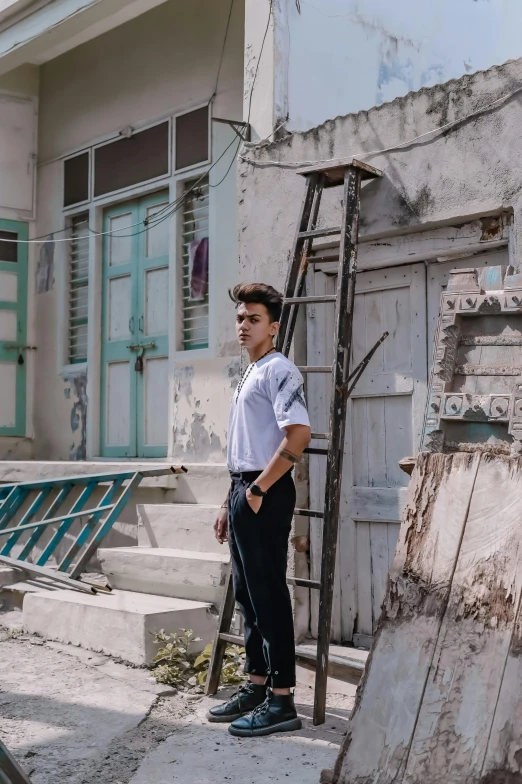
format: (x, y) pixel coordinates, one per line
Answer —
(255, 490)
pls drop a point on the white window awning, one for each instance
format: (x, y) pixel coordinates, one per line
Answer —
(35, 32)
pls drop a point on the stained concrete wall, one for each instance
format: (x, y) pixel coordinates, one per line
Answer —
(471, 169)
(340, 56)
(164, 61)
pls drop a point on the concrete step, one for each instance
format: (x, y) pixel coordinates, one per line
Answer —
(166, 572)
(345, 667)
(119, 624)
(179, 527)
(204, 483)
(12, 596)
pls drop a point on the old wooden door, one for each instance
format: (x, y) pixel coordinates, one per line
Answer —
(13, 327)
(135, 324)
(384, 425)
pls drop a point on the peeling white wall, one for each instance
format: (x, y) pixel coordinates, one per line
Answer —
(347, 55)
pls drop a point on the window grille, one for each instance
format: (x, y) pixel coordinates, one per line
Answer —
(195, 332)
(78, 289)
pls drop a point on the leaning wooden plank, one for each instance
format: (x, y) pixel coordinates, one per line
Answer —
(10, 770)
(503, 760)
(465, 677)
(390, 695)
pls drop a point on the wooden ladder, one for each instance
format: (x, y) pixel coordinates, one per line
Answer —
(349, 174)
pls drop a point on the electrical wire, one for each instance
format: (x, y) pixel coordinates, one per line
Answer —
(251, 94)
(223, 48)
(358, 155)
(170, 209)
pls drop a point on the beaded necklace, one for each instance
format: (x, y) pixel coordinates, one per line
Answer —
(249, 368)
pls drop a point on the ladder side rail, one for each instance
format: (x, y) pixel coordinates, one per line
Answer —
(303, 270)
(343, 338)
(224, 623)
(297, 248)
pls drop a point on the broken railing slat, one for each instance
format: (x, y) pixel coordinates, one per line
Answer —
(90, 526)
(95, 522)
(43, 571)
(55, 520)
(106, 526)
(36, 536)
(17, 532)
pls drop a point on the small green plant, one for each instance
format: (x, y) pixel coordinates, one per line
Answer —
(12, 634)
(233, 663)
(175, 664)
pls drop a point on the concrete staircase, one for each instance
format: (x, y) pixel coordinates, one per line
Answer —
(177, 554)
(172, 580)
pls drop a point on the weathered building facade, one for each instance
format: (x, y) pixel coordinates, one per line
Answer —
(125, 218)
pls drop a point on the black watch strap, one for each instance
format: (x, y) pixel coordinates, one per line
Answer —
(256, 490)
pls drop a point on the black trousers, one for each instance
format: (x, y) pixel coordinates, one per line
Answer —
(259, 546)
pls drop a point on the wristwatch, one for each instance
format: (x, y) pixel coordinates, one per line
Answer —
(256, 490)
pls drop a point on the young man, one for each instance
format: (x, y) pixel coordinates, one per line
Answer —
(268, 431)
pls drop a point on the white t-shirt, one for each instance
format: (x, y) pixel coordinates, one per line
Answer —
(271, 398)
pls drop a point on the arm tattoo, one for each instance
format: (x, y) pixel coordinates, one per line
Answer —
(288, 455)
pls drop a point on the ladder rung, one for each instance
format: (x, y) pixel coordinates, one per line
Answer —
(303, 583)
(311, 450)
(310, 300)
(308, 513)
(325, 436)
(234, 639)
(309, 235)
(315, 368)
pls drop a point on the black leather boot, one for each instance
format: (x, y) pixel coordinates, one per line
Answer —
(276, 714)
(248, 697)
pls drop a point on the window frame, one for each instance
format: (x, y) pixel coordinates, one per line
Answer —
(110, 195)
(73, 208)
(200, 164)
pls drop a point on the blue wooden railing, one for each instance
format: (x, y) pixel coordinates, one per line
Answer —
(38, 507)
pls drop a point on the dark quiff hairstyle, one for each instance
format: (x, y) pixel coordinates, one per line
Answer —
(260, 294)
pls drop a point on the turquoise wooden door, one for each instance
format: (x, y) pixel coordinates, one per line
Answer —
(135, 331)
(13, 327)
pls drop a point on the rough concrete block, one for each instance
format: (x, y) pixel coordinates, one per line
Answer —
(8, 575)
(119, 624)
(204, 483)
(179, 527)
(166, 572)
